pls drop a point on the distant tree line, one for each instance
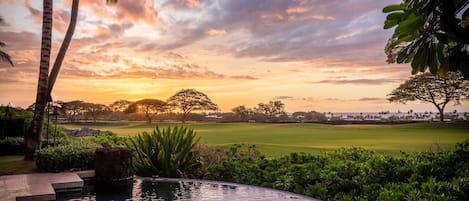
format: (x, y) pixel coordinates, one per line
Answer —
(182, 106)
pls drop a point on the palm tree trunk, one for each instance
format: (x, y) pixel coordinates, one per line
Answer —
(33, 137)
(63, 48)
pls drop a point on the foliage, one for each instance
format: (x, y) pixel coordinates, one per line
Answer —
(11, 146)
(113, 140)
(309, 116)
(120, 105)
(243, 112)
(165, 152)
(76, 109)
(271, 110)
(356, 174)
(428, 35)
(76, 154)
(4, 57)
(429, 88)
(94, 110)
(188, 100)
(150, 107)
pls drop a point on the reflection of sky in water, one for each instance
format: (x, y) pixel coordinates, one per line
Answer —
(195, 191)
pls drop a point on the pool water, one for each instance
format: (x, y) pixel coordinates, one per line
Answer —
(189, 190)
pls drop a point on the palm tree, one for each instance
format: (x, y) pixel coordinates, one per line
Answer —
(4, 56)
(46, 82)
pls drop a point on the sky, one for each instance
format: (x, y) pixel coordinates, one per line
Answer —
(321, 55)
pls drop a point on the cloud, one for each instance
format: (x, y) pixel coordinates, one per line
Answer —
(183, 4)
(216, 32)
(371, 99)
(243, 77)
(356, 81)
(322, 17)
(124, 11)
(283, 97)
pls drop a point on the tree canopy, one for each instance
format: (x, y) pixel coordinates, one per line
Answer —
(120, 105)
(271, 109)
(432, 89)
(150, 107)
(188, 100)
(242, 112)
(429, 35)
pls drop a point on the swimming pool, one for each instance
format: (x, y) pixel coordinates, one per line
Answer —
(167, 189)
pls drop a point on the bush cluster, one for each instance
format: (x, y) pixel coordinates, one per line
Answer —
(12, 146)
(74, 154)
(355, 174)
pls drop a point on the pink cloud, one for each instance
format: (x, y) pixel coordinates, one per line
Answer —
(125, 11)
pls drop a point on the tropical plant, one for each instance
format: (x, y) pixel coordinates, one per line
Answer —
(3, 55)
(165, 152)
(46, 81)
(429, 35)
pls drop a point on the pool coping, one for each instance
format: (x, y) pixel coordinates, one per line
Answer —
(177, 180)
(41, 186)
(45, 186)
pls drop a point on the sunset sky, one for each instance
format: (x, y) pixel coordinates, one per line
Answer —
(322, 55)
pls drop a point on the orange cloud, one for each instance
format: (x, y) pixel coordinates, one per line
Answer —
(124, 11)
(216, 32)
(298, 10)
(322, 17)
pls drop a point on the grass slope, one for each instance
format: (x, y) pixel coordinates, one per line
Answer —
(280, 139)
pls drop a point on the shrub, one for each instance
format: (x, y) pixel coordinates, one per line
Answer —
(355, 174)
(12, 146)
(75, 154)
(167, 152)
(103, 138)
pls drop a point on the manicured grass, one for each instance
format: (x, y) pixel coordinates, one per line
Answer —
(16, 165)
(280, 139)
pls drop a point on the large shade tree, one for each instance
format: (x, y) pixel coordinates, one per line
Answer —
(188, 100)
(432, 89)
(120, 105)
(149, 107)
(46, 81)
(429, 35)
(271, 110)
(242, 112)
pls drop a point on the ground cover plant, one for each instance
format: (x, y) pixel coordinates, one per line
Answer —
(275, 140)
(355, 174)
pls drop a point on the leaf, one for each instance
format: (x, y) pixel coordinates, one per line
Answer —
(394, 7)
(410, 25)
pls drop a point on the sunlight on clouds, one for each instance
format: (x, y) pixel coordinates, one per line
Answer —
(216, 32)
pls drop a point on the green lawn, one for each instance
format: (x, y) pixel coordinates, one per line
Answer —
(279, 139)
(16, 165)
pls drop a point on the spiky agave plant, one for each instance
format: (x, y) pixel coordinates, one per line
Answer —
(166, 152)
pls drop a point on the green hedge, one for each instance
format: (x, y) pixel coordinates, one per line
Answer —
(75, 154)
(356, 174)
(12, 146)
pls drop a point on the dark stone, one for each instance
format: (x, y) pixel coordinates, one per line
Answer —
(113, 169)
(85, 131)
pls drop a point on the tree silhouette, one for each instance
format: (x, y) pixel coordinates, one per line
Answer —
(429, 88)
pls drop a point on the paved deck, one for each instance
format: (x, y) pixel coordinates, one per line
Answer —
(39, 187)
